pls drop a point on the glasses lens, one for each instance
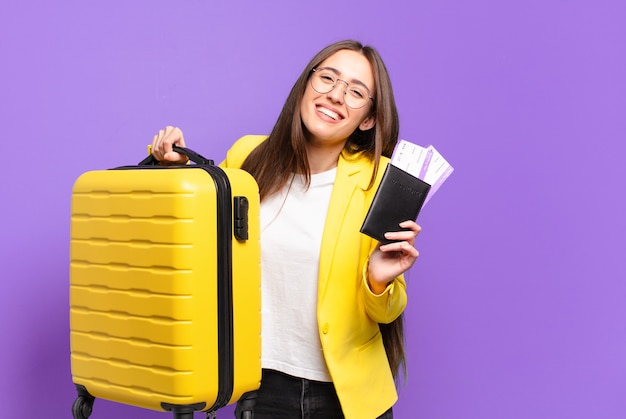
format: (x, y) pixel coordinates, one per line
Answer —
(355, 96)
(323, 81)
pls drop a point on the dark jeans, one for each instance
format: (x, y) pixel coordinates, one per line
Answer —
(283, 396)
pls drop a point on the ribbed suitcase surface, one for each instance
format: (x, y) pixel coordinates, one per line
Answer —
(148, 313)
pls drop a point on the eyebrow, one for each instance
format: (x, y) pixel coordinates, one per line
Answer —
(338, 73)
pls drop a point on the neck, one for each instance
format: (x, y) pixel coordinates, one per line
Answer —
(322, 159)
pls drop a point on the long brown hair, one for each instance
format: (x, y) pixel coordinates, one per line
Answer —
(284, 152)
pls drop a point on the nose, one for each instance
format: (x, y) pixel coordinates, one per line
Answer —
(338, 92)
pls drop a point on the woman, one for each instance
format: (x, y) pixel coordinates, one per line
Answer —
(332, 297)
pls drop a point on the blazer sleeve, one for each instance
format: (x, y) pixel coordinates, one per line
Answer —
(388, 306)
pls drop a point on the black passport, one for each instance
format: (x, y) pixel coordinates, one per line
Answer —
(399, 197)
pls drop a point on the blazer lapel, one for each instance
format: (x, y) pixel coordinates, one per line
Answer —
(349, 179)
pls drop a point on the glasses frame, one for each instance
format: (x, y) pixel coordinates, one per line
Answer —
(345, 92)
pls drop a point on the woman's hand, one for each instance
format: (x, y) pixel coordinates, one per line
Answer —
(162, 145)
(390, 260)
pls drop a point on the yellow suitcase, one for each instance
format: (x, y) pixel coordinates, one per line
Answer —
(165, 300)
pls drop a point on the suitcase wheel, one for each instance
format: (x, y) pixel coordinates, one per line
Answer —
(81, 409)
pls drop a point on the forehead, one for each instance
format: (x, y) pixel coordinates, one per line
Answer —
(351, 66)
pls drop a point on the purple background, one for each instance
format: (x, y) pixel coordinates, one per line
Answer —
(517, 305)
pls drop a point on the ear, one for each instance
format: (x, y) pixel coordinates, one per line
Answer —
(368, 123)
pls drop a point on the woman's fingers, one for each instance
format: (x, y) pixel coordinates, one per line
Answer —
(405, 249)
(392, 259)
(163, 142)
(405, 235)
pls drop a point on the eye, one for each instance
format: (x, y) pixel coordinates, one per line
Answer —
(358, 93)
(327, 78)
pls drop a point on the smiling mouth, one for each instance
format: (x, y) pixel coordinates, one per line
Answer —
(329, 113)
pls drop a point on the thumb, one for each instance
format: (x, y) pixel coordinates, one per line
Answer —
(175, 157)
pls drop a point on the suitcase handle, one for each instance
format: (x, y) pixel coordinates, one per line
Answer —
(192, 155)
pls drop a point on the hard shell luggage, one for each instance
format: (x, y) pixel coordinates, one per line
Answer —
(165, 287)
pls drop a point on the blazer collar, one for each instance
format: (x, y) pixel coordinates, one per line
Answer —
(357, 167)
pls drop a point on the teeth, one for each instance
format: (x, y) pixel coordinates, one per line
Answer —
(328, 112)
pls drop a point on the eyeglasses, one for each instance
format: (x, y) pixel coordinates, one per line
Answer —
(355, 96)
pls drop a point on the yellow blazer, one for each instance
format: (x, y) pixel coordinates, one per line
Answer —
(348, 313)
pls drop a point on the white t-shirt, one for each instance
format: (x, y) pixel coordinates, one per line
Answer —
(292, 223)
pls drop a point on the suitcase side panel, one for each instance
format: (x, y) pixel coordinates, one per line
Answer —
(246, 269)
